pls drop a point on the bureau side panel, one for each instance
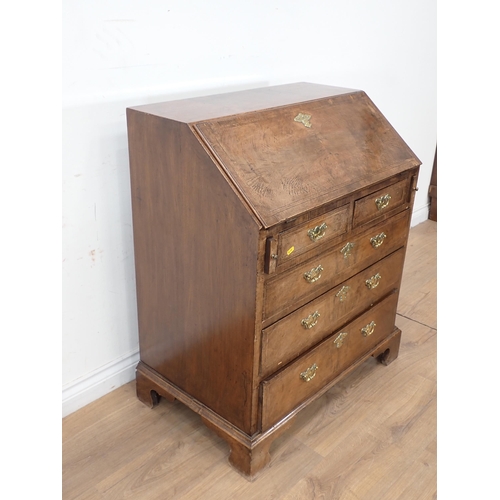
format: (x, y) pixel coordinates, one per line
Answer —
(196, 251)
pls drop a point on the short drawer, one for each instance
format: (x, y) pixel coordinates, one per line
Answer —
(312, 278)
(314, 234)
(381, 202)
(312, 371)
(294, 334)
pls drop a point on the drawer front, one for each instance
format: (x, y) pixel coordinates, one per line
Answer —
(313, 234)
(294, 334)
(312, 371)
(317, 275)
(381, 202)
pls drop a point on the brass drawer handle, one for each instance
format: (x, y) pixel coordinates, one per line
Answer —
(383, 201)
(368, 329)
(311, 320)
(310, 373)
(346, 250)
(340, 339)
(317, 232)
(314, 274)
(342, 293)
(373, 281)
(377, 240)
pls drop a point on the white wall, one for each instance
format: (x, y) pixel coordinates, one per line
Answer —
(118, 54)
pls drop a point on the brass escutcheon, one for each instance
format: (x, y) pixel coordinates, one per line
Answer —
(314, 274)
(377, 240)
(311, 320)
(383, 201)
(342, 293)
(373, 281)
(310, 373)
(346, 250)
(340, 339)
(368, 329)
(318, 232)
(304, 119)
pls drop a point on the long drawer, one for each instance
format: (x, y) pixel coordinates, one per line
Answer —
(313, 370)
(294, 334)
(317, 275)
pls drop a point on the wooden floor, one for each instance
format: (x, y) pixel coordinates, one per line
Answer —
(371, 437)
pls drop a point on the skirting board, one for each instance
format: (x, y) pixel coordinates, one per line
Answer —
(99, 383)
(419, 215)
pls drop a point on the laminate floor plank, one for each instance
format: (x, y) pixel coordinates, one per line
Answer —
(90, 494)
(116, 401)
(371, 437)
(116, 439)
(169, 469)
(418, 296)
(418, 481)
(377, 466)
(397, 457)
(289, 461)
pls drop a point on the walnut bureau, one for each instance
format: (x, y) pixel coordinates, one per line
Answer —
(270, 231)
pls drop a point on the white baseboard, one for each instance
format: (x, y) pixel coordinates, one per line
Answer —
(419, 215)
(99, 383)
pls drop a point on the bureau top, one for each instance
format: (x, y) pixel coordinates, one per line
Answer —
(291, 148)
(244, 101)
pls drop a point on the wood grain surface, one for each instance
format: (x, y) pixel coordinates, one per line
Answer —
(206, 197)
(284, 168)
(195, 286)
(370, 437)
(285, 390)
(284, 292)
(287, 338)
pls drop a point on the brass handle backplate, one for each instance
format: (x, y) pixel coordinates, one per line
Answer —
(346, 250)
(383, 201)
(373, 281)
(368, 329)
(317, 232)
(314, 274)
(342, 293)
(310, 373)
(311, 320)
(377, 240)
(340, 339)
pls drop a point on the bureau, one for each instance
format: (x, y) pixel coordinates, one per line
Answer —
(270, 230)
